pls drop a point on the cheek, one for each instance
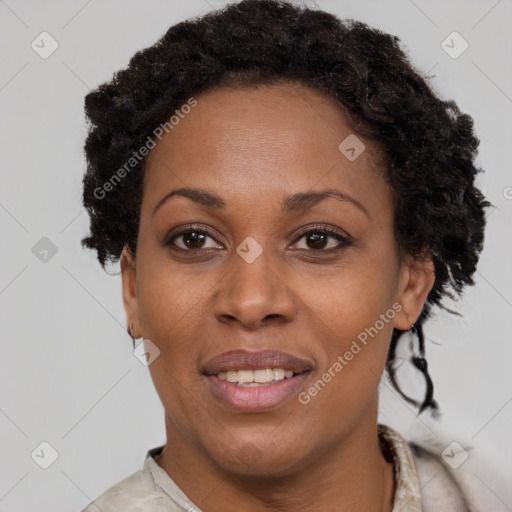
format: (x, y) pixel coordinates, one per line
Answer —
(355, 307)
(349, 297)
(170, 307)
(170, 312)
(351, 360)
(355, 318)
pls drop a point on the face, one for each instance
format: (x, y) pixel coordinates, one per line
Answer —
(255, 274)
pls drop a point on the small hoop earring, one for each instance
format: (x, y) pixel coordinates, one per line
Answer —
(129, 330)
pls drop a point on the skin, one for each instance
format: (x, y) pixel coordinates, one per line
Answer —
(253, 147)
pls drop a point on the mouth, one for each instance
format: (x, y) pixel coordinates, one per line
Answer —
(253, 382)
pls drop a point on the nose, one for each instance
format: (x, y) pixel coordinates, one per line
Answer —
(255, 294)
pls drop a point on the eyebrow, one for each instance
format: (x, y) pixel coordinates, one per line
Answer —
(294, 203)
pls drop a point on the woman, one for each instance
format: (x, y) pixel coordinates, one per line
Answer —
(287, 197)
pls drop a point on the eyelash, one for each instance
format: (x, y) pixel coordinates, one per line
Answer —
(344, 239)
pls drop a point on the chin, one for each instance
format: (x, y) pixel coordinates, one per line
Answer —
(258, 457)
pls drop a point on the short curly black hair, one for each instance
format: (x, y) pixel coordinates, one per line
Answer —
(429, 145)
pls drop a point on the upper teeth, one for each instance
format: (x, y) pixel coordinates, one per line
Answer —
(260, 376)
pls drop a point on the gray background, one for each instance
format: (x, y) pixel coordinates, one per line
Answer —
(68, 376)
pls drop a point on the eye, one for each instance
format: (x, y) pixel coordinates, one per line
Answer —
(191, 238)
(324, 240)
(319, 239)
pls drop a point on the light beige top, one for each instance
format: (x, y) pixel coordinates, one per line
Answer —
(424, 483)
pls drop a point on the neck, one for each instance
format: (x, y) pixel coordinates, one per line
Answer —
(353, 475)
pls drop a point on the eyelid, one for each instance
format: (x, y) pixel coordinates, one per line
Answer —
(343, 238)
(326, 228)
(211, 232)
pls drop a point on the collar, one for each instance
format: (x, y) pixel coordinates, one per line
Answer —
(407, 488)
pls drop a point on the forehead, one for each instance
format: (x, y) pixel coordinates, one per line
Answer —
(257, 140)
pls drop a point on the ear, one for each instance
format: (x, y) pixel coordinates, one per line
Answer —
(417, 277)
(128, 274)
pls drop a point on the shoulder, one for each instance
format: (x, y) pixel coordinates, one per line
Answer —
(433, 473)
(439, 489)
(456, 478)
(136, 493)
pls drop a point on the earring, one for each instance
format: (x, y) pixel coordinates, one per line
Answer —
(420, 363)
(129, 330)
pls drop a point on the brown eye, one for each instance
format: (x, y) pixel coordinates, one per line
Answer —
(323, 240)
(316, 240)
(192, 240)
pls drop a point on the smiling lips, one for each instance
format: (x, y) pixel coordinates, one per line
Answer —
(255, 381)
